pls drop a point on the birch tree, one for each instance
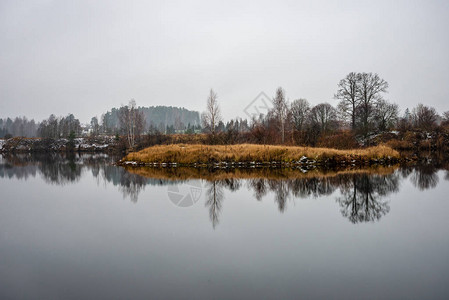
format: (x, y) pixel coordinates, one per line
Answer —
(132, 122)
(212, 116)
(280, 111)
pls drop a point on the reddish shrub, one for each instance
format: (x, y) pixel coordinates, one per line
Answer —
(341, 140)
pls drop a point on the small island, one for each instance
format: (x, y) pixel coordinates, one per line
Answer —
(250, 155)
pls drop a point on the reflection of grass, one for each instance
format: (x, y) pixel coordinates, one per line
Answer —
(206, 154)
(184, 173)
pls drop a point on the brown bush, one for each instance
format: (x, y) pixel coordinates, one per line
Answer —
(400, 144)
(441, 142)
(425, 145)
(342, 140)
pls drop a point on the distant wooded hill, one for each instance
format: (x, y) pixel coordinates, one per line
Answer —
(159, 117)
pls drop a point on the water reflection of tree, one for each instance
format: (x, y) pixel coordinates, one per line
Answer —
(214, 199)
(313, 186)
(131, 185)
(425, 176)
(406, 171)
(62, 169)
(363, 196)
(259, 187)
(9, 169)
(232, 184)
(285, 189)
(53, 168)
(446, 173)
(281, 191)
(424, 173)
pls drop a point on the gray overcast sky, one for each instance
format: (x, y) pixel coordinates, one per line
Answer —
(85, 57)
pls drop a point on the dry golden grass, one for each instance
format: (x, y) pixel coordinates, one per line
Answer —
(185, 173)
(184, 154)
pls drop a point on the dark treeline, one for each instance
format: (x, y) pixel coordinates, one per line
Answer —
(19, 126)
(165, 119)
(63, 127)
(160, 118)
(53, 127)
(360, 117)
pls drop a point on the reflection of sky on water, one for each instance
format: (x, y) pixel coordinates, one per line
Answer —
(66, 232)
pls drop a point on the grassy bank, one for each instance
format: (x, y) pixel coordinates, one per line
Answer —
(189, 155)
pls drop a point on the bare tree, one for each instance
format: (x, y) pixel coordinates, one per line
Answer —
(280, 111)
(299, 110)
(405, 122)
(69, 125)
(386, 115)
(324, 117)
(424, 117)
(95, 126)
(347, 93)
(445, 118)
(132, 122)
(212, 116)
(370, 91)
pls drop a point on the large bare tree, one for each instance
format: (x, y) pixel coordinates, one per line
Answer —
(370, 90)
(212, 116)
(347, 93)
(360, 96)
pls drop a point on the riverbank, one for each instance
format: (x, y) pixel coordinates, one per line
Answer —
(247, 155)
(30, 145)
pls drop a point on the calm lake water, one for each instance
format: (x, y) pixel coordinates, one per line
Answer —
(80, 228)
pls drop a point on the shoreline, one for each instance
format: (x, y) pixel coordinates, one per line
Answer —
(253, 156)
(62, 145)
